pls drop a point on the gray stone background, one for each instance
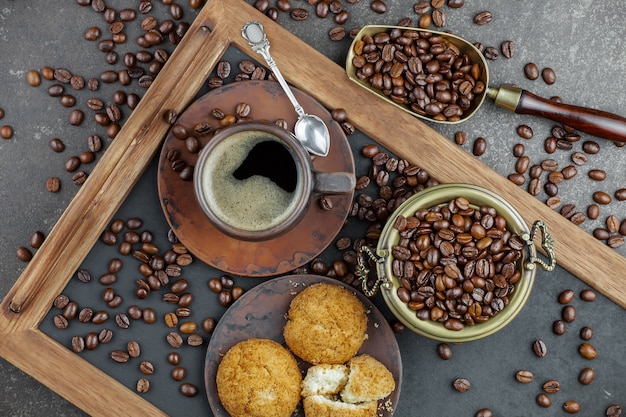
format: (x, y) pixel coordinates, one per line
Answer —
(583, 41)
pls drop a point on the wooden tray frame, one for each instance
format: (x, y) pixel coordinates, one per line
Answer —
(217, 27)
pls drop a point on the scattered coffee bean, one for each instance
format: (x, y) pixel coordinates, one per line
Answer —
(524, 376)
(569, 313)
(540, 348)
(587, 351)
(613, 410)
(551, 387)
(482, 18)
(461, 385)
(586, 376)
(586, 333)
(188, 390)
(588, 295)
(378, 6)
(6, 132)
(480, 146)
(143, 385)
(23, 254)
(531, 71)
(483, 412)
(571, 407)
(174, 339)
(120, 356)
(543, 400)
(508, 49)
(444, 351)
(559, 327)
(548, 75)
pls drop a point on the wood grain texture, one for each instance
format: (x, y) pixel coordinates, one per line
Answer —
(216, 27)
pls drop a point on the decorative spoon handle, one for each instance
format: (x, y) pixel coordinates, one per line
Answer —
(255, 35)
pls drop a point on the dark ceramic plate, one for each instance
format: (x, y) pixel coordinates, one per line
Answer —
(260, 313)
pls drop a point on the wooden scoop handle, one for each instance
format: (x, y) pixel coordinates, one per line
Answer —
(595, 122)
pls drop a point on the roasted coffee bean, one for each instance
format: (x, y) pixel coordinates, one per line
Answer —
(120, 356)
(224, 298)
(480, 146)
(78, 344)
(586, 376)
(569, 313)
(76, 117)
(148, 315)
(548, 75)
(597, 174)
(173, 358)
(378, 6)
(524, 376)
(33, 78)
(531, 71)
(613, 411)
(85, 315)
(91, 341)
(593, 211)
(336, 34)
(601, 233)
(483, 412)
(482, 18)
(174, 339)
(122, 320)
(146, 368)
(460, 138)
(491, 53)
(188, 390)
(508, 48)
(559, 327)
(444, 351)
(588, 295)
(569, 172)
(133, 349)
(100, 317)
(587, 351)
(143, 385)
(602, 197)
(60, 322)
(61, 301)
(178, 373)
(525, 131)
(195, 340)
(571, 407)
(540, 348)
(68, 100)
(543, 400)
(461, 385)
(105, 336)
(566, 297)
(551, 387)
(615, 241)
(586, 333)
(208, 325)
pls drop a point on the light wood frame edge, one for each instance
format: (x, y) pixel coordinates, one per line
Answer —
(218, 26)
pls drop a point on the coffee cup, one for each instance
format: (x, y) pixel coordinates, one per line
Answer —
(255, 181)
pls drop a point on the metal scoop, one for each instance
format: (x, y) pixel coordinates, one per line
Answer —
(310, 130)
(595, 122)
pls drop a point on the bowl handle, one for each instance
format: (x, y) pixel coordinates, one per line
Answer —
(366, 253)
(547, 243)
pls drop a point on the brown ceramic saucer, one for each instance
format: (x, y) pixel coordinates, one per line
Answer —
(260, 313)
(257, 259)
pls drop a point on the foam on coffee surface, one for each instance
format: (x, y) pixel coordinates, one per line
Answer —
(253, 204)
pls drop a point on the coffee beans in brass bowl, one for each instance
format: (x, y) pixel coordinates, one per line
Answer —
(455, 262)
(432, 75)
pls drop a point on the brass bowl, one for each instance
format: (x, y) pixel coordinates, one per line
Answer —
(478, 196)
(464, 47)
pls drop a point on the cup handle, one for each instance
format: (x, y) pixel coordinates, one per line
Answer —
(333, 182)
